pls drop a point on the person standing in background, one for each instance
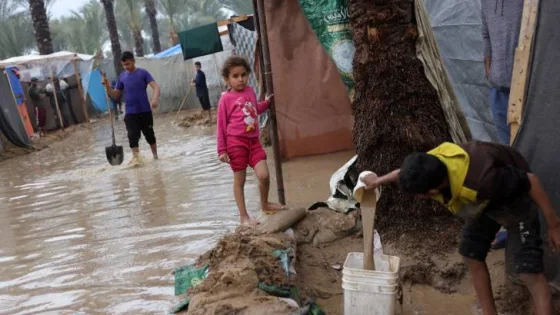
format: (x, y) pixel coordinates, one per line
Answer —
(199, 82)
(60, 88)
(36, 96)
(501, 22)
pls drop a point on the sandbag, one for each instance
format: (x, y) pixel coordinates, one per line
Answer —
(282, 220)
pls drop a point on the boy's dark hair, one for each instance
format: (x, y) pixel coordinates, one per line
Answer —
(127, 55)
(198, 64)
(421, 172)
(234, 61)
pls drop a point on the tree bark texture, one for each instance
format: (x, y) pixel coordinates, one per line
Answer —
(41, 26)
(396, 109)
(152, 14)
(108, 5)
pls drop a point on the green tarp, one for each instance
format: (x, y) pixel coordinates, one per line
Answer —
(329, 20)
(200, 41)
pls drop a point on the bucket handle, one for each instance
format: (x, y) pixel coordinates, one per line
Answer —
(383, 289)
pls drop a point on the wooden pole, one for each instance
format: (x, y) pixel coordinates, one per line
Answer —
(522, 66)
(81, 89)
(56, 100)
(183, 103)
(262, 31)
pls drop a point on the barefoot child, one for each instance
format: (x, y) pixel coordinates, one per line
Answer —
(238, 135)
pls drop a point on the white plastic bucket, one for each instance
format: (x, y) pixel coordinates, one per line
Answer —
(367, 291)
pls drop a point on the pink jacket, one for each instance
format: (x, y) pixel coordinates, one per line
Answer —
(238, 116)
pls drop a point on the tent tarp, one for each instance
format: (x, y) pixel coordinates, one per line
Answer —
(539, 134)
(169, 52)
(312, 105)
(11, 124)
(200, 41)
(457, 27)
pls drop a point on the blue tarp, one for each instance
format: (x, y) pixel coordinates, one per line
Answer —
(169, 52)
(16, 85)
(96, 91)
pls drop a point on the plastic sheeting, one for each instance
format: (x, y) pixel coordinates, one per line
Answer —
(538, 137)
(428, 53)
(11, 125)
(457, 26)
(174, 75)
(313, 110)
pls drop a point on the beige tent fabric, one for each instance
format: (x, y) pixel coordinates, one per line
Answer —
(428, 53)
(314, 112)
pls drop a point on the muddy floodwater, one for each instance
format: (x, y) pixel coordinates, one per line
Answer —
(78, 236)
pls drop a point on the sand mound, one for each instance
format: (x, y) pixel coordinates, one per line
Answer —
(237, 265)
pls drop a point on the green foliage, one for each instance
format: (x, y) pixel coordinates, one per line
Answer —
(85, 30)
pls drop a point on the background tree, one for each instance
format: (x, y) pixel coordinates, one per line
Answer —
(41, 26)
(17, 31)
(396, 110)
(113, 33)
(151, 12)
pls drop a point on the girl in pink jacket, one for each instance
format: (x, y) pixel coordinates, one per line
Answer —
(238, 135)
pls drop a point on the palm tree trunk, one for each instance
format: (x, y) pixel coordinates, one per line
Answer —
(138, 41)
(41, 26)
(113, 34)
(396, 109)
(152, 13)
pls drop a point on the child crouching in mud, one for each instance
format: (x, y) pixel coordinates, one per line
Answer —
(238, 135)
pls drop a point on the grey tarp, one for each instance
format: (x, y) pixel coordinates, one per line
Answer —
(428, 53)
(539, 134)
(457, 27)
(11, 125)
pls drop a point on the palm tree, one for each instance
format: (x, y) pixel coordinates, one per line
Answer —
(17, 30)
(134, 21)
(152, 15)
(172, 9)
(85, 29)
(113, 33)
(41, 26)
(239, 7)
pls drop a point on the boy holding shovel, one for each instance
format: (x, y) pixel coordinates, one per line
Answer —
(490, 185)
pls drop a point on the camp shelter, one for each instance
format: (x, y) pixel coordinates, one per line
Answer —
(174, 75)
(13, 79)
(63, 65)
(12, 127)
(313, 110)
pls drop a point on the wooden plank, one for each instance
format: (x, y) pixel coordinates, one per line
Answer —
(522, 66)
(236, 19)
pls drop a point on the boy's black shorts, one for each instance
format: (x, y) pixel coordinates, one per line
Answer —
(137, 124)
(205, 102)
(524, 253)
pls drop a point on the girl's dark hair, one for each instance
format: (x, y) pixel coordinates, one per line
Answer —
(421, 172)
(232, 62)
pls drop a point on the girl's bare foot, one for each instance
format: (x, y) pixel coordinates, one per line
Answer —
(271, 208)
(249, 221)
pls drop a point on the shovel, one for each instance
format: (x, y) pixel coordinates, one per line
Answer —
(115, 153)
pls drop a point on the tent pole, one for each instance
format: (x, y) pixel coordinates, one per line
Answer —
(56, 100)
(15, 99)
(81, 89)
(262, 31)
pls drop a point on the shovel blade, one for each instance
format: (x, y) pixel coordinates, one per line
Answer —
(115, 154)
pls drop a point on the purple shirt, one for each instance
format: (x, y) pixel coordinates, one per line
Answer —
(134, 85)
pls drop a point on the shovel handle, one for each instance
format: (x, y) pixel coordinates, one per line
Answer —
(108, 100)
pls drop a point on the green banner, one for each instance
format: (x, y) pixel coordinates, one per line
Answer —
(329, 20)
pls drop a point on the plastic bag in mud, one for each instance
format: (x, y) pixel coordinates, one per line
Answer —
(189, 276)
(329, 20)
